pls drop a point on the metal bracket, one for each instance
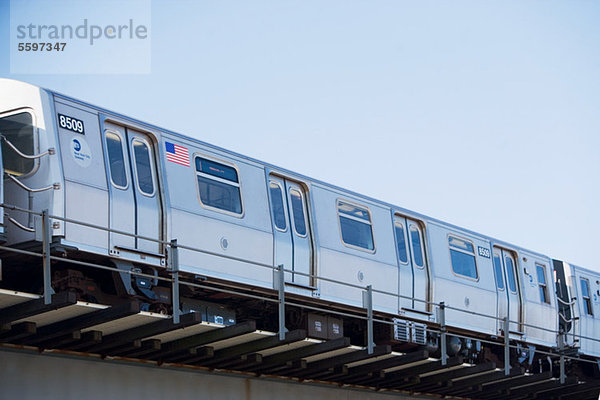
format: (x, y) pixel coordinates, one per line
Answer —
(173, 267)
(443, 344)
(531, 354)
(46, 239)
(51, 151)
(124, 268)
(281, 298)
(19, 225)
(565, 303)
(54, 186)
(563, 375)
(368, 304)
(506, 324)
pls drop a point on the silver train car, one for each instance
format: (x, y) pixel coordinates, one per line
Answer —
(148, 186)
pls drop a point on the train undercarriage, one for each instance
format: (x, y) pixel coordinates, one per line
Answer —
(406, 354)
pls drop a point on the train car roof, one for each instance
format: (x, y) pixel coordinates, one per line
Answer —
(393, 207)
(585, 270)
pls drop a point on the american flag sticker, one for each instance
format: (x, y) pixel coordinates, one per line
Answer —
(177, 154)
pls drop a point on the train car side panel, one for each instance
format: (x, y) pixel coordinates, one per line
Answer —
(28, 122)
(586, 288)
(212, 235)
(357, 271)
(366, 260)
(85, 176)
(205, 216)
(468, 284)
(539, 300)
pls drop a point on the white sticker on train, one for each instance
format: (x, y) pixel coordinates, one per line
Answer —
(483, 251)
(81, 152)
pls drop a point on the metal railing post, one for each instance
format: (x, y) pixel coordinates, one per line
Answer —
(173, 267)
(46, 239)
(281, 297)
(443, 344)
(561, 348)
(506, 324)
(368, 304)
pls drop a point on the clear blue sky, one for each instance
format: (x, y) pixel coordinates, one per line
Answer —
(483, 114)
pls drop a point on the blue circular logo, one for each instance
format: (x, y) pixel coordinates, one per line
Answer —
(76, 145)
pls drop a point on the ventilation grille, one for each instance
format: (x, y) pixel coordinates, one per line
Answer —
(401, 330)
(407, 331)
(419, 333)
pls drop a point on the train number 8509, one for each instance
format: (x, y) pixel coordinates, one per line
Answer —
(70, 123)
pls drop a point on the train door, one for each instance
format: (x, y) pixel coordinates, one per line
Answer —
(413, 275)
(501, 295)
(509, 299)
(135, 204)
(291, 229)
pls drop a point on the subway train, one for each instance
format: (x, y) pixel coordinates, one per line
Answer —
(233, 216)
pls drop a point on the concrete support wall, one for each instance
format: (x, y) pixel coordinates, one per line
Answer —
(28, 376)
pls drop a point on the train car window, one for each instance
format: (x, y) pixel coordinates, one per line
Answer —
(498, 272)
(417, 248)
(18, 130)
(277, 207)
(298, 212)
(541, 275)
(219, 186)
(114, 148)
(585, 296)
(355, 225)
(510, 273)
(462, 256)
(143, 167)
(401, 243)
